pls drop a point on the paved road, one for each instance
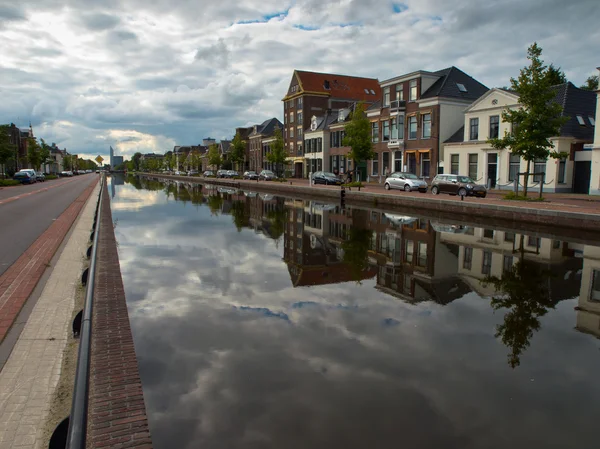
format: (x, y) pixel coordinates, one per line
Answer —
(27, 211)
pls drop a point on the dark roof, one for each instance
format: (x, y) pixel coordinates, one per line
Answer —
(375, 106)
(447, 85)
(324, 121)
(458, 136)
(267, 127)
(574, 102)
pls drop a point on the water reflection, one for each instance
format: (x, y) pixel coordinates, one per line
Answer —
(263, 321)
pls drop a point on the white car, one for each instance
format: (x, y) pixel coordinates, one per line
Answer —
(405, 181)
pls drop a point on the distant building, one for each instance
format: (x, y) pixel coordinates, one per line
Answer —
(116, 160)
(112, 155)
(208, 142)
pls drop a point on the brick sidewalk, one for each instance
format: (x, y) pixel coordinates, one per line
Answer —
(116, 413)
(18, 281)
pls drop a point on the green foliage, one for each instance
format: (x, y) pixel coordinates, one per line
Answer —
(34, 156)
(277, 218)
(51, 177)
(136, 160)
(215, 203)
(358, 136)
(7, 150)
(513, 196)
(237, 150)
(240, 214)
(555, 75)
(214, 157)
(44, 153)
(277, 155)
(354, 184)
(356, 248)
(8, 182)
(524, 291)
(591, 83)
(538, 120)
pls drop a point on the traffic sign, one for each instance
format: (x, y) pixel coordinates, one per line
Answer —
(99, 159)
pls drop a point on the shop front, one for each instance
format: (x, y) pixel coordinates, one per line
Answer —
(418, 162)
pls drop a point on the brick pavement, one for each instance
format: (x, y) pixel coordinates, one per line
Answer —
(18, 281)
(116, 413)
(31, 374)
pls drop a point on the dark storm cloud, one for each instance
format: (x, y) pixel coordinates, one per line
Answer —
(214, 54)
(100, 21)
(11, 13)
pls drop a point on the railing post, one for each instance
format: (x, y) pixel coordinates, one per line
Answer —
(542, 181)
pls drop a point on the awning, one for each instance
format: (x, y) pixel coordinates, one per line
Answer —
(295, 160)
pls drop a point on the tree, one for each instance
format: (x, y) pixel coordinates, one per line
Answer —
(237, 150)
(136, 160)
(214, 157)
(33, 153)
(555, 75)
(525, 292)
(67, 162)
(591, 83)
(277, 154)
(537, 120)
(356, 249)
(44, 153)
(358, 137)
(7, 150)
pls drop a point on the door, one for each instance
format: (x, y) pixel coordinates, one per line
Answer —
(398, 161)
(492, 169)
(581, 176)
(411, 162)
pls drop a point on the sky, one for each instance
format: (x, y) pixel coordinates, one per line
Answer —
(145, 76)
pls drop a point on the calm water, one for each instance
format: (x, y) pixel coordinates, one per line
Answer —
(264, 322)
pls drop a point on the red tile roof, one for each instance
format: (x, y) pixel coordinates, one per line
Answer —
(340, 86)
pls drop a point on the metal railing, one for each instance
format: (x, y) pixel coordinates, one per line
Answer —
(76, 437)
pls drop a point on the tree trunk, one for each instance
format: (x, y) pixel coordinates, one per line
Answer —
(526, 179)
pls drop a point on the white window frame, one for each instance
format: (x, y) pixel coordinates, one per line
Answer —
(413, 85)
(423, 125)
(292, 117)
(386, 96)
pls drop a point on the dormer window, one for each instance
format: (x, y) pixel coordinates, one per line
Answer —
(592, 120)
(372, 92)
(580, 120)
(367, 91)
(412, 95)
(461, 87)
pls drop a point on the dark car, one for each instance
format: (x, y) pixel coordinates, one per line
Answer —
(457, 185)
(231, 174)
(251, 174)
(25, 177)
(267, 175)
(221, 173)
(40, 177)
(327, 178)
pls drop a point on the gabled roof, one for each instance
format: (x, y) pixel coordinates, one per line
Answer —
(447, 85)
(339, 86)
(458, 136)
(576, 102)
(324, 121)
(267, 128)
(374, 107)
(224, 145)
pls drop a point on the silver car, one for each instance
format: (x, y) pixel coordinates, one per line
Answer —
(405, 181)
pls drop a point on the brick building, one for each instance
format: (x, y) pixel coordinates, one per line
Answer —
(258, 143)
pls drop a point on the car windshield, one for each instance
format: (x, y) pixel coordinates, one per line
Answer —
(465, 179)
(251, 173)
(409, 176)
(332, 175)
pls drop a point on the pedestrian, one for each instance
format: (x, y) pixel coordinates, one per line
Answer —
(349, 177)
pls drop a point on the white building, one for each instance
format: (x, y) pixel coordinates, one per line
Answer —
(595, 176)
(467, 151)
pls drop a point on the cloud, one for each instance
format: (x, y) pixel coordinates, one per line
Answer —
(174, 70)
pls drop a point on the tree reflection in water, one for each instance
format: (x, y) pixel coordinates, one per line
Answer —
(240, 214)
(524, 291)
(356, 248)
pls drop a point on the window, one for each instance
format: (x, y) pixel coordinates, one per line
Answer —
(509, 236)
(386, 130)
(291, 117)
(580, 120)
(319, 144)
(409, 247)
(454, 164)
(534, 242)
(486, 266)
(375, 167)
(494, 126)
(562, 167)
(539, 166)
(300, 118)
(299, 132)
(426, 126)
(400, 92)
(394, 129)
(425, 164)
(375, 132)
(474, 135)
(386, 97)
(592, 120)
(514, 164)
(556, 244)
(507, 263)
(473, 167)
(412, 127)
(488, 233)
(299, 102)
(422, 256)
(400, 119)
(291, 132)
(468, 258)
(385, 157)
(412, 96)
(284, 133)
(461, 87)
(595, 292)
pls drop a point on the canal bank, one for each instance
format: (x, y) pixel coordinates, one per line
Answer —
(569, 221)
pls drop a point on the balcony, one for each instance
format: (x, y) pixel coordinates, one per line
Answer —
(396, 143)
(397, 106)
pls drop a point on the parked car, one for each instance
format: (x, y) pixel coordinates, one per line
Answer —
(405, 181)
(208, 174)
(39, 176)
(231, 174)
(221, 173)
(251, 174)
(192, 173)
(25, 176)
(177, 172)
(457, 185)
(267, 175)
(327, 178)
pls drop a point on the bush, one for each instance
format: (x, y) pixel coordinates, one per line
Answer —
(280, 179)
(354, 184)
(8, 182)
(514, 197)
(50, 177)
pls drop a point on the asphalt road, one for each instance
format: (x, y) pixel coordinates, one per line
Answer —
(27, 211)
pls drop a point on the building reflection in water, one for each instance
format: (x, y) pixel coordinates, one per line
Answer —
(415, 259)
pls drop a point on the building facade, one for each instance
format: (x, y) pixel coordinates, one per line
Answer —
(595, 169)
(259, 142)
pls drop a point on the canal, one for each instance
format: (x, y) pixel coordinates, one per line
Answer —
(268, 322)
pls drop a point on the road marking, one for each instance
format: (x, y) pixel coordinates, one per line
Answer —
(45, 189)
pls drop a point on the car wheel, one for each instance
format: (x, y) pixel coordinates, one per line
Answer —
(484, 195)
(387, 186)
(435, 190)
(406, 188)
(462, 192)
